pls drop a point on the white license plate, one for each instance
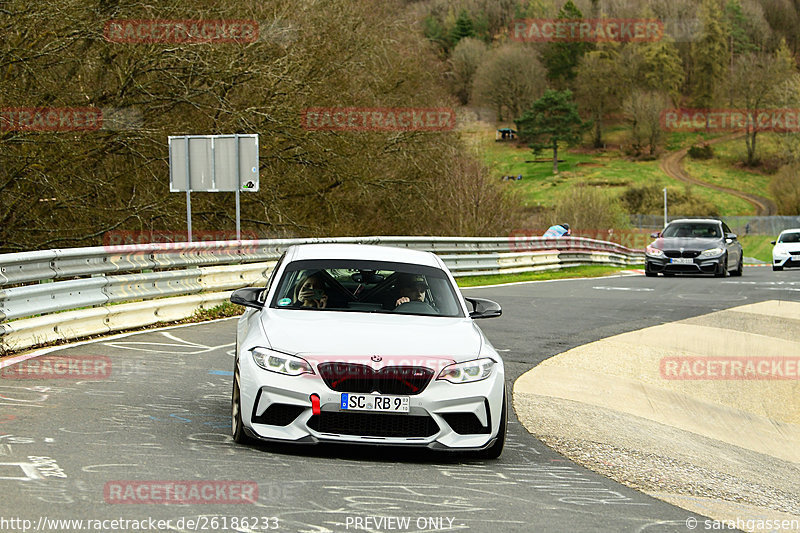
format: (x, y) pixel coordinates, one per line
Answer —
(374, 402)
(682, 260)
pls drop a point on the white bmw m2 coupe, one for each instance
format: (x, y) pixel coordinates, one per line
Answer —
(366, 344)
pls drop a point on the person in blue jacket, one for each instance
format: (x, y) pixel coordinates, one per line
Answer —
(559, 230)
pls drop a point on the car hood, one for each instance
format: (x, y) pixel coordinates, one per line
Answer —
(788, 246)
(321, 335)
(676, 243)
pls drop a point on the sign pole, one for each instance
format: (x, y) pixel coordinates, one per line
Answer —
(188, 195)
(238, 189)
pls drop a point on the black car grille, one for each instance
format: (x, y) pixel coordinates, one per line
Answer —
(279, 414)
(465, 423)
(373, 425)
(678, 253)
(795, 252)
(357, 378)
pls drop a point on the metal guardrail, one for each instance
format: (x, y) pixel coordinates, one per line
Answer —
(53, 295)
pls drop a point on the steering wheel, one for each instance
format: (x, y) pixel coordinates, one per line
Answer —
(416, 308)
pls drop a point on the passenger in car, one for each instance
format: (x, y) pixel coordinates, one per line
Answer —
(310, 292)
(411, 287)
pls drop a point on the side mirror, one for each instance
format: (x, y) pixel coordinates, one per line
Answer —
(655, 234)
(482, 308)
(248, 297)
(772, 242)
(731, 236)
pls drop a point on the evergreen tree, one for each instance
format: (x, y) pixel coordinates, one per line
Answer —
(553, 118)
(739, 41)
(710, 55)
(561, 58)
(463, 28)
(662, 67)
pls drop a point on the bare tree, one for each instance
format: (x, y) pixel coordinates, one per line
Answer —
(464, 62)
(510, 78)
(643, 112)
(755, 85)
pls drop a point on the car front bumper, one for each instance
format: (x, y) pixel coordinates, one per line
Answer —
(444, 415)
(786, 260)
(698, 265)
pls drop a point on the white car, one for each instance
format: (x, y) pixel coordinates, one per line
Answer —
(786, 252)
(367, 345)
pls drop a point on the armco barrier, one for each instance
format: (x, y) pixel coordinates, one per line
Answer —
(122, 287)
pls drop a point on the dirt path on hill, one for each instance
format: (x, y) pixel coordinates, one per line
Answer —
(672, 165)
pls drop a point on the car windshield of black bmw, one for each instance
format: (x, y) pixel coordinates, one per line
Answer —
(693, 230)
(366, 286)
(790, 237)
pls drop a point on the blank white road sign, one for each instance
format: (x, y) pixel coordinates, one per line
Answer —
(213, 163)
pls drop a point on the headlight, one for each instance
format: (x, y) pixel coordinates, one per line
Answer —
(281, 363)
(653, 251)
(711, 252)
(468, 371)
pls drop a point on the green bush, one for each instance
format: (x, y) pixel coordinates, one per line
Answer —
(701, 151)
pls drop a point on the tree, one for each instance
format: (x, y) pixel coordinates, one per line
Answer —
(562, 58)
(643, 112)
(553, 118)
(463, 27)
(509, 79)
(785, 188)
(598, 86)
(739, 41)
(710, 55)
(756, 82)
(662, 68)
(464, 62)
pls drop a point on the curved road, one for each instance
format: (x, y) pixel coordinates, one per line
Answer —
(162, 414)
(672, 165)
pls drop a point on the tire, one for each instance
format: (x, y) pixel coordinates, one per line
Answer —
(237, 426)
(650, 274)
(739, 268)
(777, 268)
(724, 271)
(494, 451)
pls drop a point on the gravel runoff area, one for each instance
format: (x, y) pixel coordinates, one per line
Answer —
(725, 448)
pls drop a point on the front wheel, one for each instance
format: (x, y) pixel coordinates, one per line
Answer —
(721, 273)
(237, 426)
(739, 268)
(777, 268)
(494, 451)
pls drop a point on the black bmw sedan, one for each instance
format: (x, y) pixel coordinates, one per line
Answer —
(694, 246)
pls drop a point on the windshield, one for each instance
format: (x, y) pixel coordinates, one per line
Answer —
(366, 286)
(693, 230)
(790, 237)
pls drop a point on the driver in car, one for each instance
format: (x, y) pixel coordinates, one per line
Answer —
(412, 288)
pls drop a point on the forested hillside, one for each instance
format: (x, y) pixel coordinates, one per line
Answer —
(69, 188)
